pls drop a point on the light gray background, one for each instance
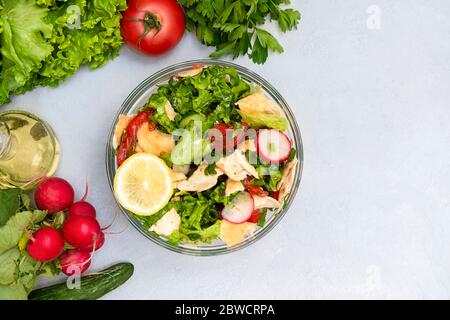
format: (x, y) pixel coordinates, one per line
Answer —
(372, 217)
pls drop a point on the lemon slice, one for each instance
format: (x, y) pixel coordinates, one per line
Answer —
(143, 184)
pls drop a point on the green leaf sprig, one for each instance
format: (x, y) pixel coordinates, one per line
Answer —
(233, 26)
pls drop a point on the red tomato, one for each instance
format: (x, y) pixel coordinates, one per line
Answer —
(275, 194)
(256, 190)
(226, 141)
(153, 26)
(223, 127)
(220, 142)
(254, 218)
(253, 189)
(127, 146)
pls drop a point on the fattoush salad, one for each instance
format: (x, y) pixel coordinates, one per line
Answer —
(205, 159)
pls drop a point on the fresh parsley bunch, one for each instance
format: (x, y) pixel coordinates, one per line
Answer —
(232, 26)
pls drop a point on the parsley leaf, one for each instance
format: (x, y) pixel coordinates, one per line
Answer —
(232, 26)
(288, 19)
(210, 169)
(292, 155)
(260, 53)
(268, 41)
(262, 218)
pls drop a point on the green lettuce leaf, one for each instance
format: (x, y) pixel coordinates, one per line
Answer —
(263, 120)
(18, 271)
(9, 204)
(44, 42)
(93, 43)
(158, 103)
(12, 231)
(205, 235)
(269, 176)
(212, 93)
(259, 111)
(28, 271)
(199, 212)
(50, 269)
(13, 292)
(8, 266)
(16, 268)
(23, 43)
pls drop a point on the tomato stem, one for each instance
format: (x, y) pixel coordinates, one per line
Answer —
(151, 22)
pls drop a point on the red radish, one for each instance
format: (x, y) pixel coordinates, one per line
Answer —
(75, 261)
(54, 195)
(82, 208)
(98, 243)
(46, 244)
(254, 218)
(273, 146)
(240, 209)
(81, 231)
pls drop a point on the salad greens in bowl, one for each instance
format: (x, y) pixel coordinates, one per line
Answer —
(204, 157)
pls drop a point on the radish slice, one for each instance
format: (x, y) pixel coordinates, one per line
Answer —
(240, 209)
(273, 146)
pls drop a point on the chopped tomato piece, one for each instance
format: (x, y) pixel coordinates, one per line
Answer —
(275, 194)
(128, 144)
(254, 189)
(228, 139)
(254, 218)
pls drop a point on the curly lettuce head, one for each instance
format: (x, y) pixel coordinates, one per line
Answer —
(43, 42)
(23, 43)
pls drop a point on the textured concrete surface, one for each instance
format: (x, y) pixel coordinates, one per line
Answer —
(370, 85)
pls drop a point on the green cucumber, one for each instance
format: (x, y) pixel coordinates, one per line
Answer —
(191, 118)
(92, 286)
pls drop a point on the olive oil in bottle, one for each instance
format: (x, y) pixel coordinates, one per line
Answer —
(29, 150)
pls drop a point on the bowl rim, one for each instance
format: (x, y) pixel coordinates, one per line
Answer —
(155, 79)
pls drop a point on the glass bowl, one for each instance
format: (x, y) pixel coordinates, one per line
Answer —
(139, 97)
